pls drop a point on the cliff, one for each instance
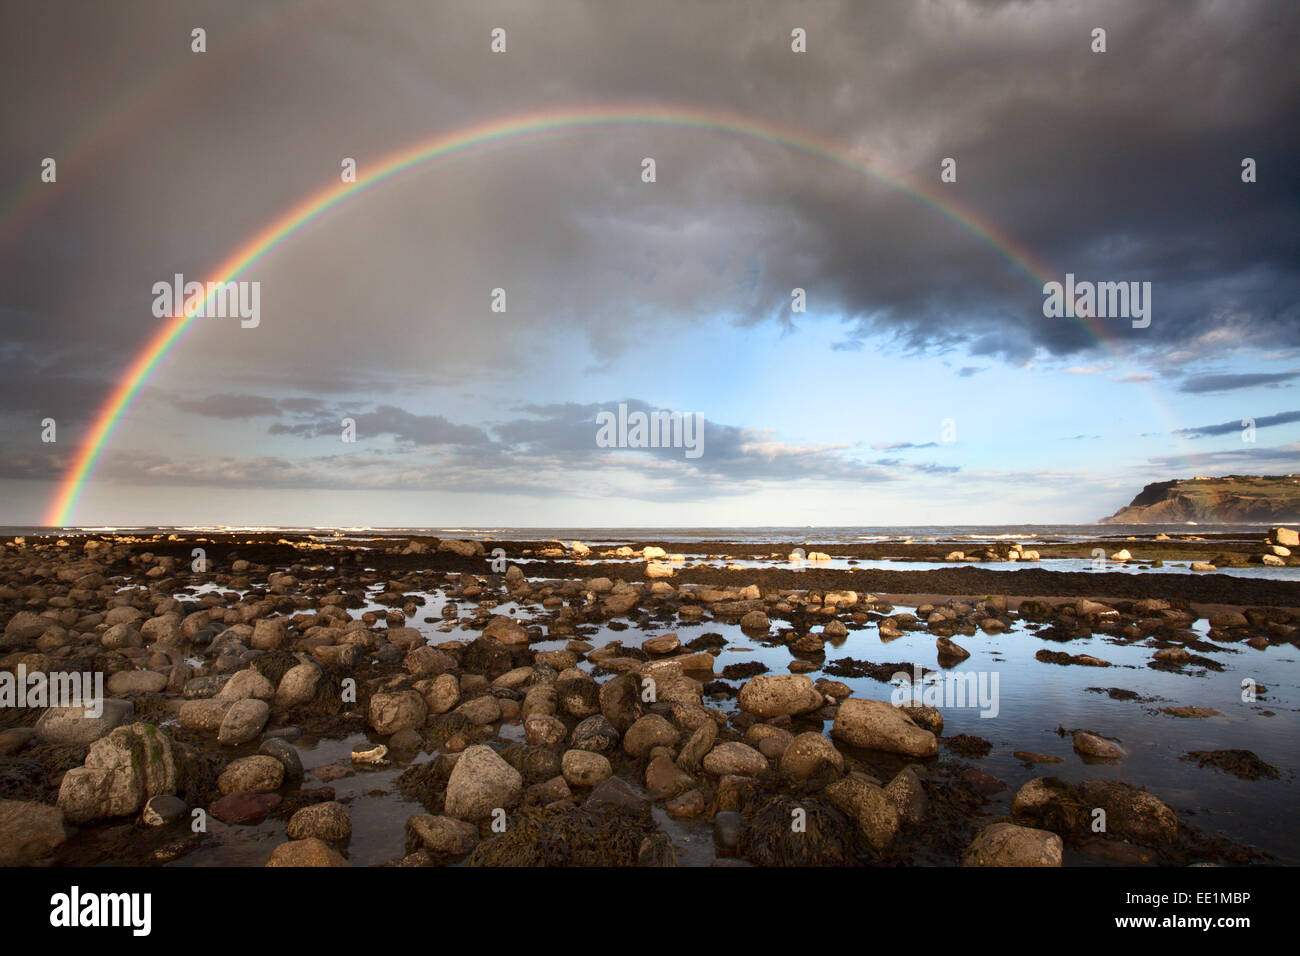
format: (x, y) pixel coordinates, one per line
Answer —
(1234, 499)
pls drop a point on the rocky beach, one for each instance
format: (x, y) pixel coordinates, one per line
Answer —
(406, 700)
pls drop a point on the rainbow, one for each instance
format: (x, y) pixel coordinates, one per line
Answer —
(500, 132)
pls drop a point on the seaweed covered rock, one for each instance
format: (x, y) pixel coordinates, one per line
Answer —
(570, 837)
(825, 838)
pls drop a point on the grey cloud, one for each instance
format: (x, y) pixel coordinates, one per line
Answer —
(1204, 384)
(1235, 426)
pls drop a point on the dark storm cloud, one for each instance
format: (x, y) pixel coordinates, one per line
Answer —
(1233, 427)
(1204, 384)
(1122, 165)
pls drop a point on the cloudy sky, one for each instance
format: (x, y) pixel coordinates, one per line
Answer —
(923, 383)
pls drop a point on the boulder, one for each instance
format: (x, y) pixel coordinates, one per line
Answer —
(328, 821)
(391, 712)
(1006, 844)
(583, 768)
(243, 721)
(121, 772)
(137, 682)
(442, 836)
(776, 695)
(807, 755)
(480, 783)
(648, 732)
(1097, 747)
(735, 758)
(256, 774)
(309, 852)
(879, 725)
(297, 686)
(73, 727)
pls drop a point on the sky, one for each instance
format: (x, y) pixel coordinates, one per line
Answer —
(923, 383)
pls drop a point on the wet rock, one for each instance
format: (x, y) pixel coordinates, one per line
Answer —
(269, 634)
(687, 806)
(691, 757)
(846, 793)
(755, 621)
(878, 725)
(244, 809)
(287, 754)
(442, 836)
(298, 686)
(620, 701)
(204, 716)
(664, 644)
(545, 731)
(774, 695)
(1097, 747)
(950, 652)
(735, 758)
(121, 772)
(72, 727)
(664, 777)
(1006, 844)
(968, 745)
(163, 809)
(426, 661)
(247, 683)
(1240, 763)
(29, 832)
(243, 721)
(595, 734)
(1030, 757)
(982, 783)
(1050, 804)
(1130, 812)
(809, 754)
(481, 783)
(646, 733)
(482, 711)
(583, 768)
(328, 821)
(924, 716)
(617, 794)
(406, 741)
(1190, 712)
(309, 852)
(578, 697)
(137, 682)
(256, 774)
(391, 712)
(907, 794)
(878, 818)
